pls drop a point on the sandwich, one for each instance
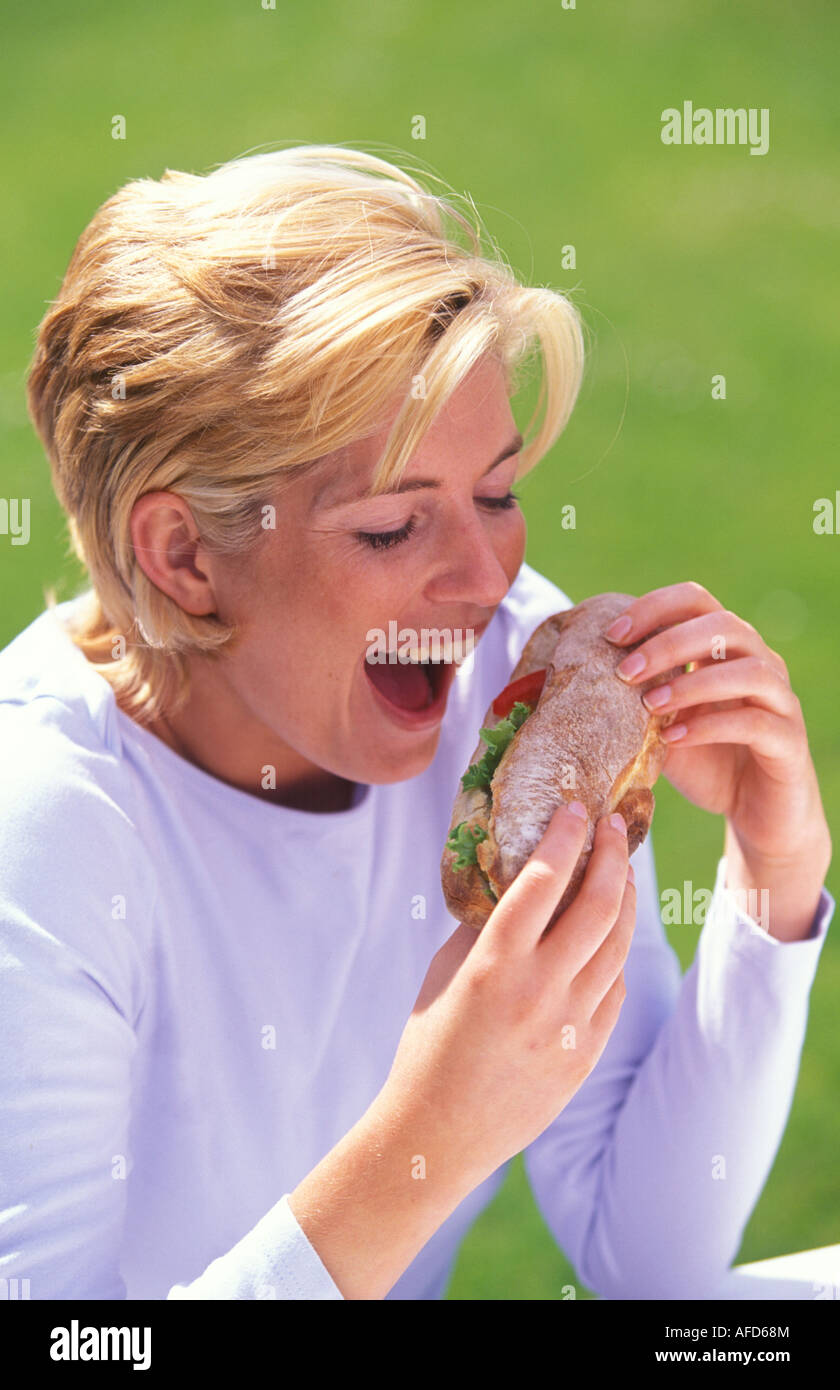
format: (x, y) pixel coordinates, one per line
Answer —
(565, 728)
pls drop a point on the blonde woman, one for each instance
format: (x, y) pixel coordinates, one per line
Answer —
(244, 1053)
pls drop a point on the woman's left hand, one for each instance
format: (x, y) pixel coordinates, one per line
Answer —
(744, 750)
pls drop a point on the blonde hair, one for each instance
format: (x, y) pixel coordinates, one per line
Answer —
(217, 335)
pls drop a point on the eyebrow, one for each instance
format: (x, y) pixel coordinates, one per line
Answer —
(414, 484)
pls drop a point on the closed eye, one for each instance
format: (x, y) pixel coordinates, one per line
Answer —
(384, 540)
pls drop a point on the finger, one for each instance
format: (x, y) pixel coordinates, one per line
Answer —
(598, 975)
(521, 915)
(445, 964)
(605, 1016)
(771, 658)
(673, 603)
(580, 930)
(767, 735)
(719, 635)
(747, 678)
(457, 947)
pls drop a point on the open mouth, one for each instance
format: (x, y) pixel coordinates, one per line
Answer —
(413, 694)
(411, 685)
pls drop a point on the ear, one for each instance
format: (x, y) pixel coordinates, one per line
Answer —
(170, 551)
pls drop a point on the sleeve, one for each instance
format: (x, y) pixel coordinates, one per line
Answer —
(274, 1260)
(77, 891)
(74, 895)
(649, 1175)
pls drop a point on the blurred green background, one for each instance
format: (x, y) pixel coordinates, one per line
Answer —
(690, 262)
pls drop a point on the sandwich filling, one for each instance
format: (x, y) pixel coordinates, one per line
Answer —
(465, 837)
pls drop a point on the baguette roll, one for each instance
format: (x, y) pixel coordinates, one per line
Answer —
(589, 738)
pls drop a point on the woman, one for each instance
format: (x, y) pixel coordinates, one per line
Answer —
(244, 1053)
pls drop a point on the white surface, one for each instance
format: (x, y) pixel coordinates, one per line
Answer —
(813, 1274)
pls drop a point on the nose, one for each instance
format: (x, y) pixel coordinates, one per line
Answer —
(471, 569)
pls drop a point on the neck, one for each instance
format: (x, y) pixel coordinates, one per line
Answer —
(317, 790)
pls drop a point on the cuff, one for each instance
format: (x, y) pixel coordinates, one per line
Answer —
(732, 927)
(747, 909)
(274, 1260)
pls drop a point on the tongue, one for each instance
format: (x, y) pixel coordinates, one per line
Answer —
(406, 686)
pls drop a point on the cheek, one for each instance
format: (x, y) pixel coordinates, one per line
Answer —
(305, 644)
(512, 551)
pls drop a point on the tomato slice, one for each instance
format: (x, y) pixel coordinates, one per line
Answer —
(527, 689)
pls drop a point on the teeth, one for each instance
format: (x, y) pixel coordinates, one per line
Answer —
(433, 652)
(415, 658)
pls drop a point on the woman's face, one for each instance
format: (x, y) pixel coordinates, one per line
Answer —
(296, 689)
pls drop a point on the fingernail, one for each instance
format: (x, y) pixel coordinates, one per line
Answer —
(577, 808)
(660, 696)
(617, 821)
(619, 629)
(632, 665)
(672, 733)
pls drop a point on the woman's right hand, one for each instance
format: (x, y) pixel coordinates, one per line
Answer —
(509, 1023)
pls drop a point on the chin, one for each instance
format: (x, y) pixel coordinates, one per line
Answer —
(404, 765)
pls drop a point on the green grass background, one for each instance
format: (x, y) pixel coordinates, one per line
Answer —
(690, 262)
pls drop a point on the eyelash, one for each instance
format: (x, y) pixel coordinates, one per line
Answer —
(384, 540)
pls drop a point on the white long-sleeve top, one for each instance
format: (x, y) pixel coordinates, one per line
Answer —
(201, 992)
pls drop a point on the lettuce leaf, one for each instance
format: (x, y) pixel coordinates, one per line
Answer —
(480, 774)
(463, 840)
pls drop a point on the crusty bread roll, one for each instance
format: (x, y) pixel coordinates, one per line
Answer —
(589, 739)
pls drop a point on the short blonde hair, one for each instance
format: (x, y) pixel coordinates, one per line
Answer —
(217, 335)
